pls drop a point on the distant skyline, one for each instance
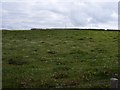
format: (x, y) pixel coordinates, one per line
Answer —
(27, 14)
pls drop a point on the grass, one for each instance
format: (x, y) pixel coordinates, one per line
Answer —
(59, 59)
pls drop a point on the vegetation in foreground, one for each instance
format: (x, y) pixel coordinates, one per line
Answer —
(59, 59)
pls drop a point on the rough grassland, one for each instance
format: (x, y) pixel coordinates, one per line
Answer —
(59, 59)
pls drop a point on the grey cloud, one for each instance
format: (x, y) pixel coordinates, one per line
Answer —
(95, 12)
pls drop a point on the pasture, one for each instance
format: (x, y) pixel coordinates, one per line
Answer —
(59, 58)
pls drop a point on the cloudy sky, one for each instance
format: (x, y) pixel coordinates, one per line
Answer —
(26, 14)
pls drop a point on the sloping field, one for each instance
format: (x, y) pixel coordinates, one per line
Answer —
(55, 58)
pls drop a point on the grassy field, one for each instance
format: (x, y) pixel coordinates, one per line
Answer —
(59, 59)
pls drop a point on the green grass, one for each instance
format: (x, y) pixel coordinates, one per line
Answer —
(59, 59)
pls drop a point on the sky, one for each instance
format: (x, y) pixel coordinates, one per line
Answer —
(27, 14)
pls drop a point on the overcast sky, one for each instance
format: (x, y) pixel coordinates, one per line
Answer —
(26, 14)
